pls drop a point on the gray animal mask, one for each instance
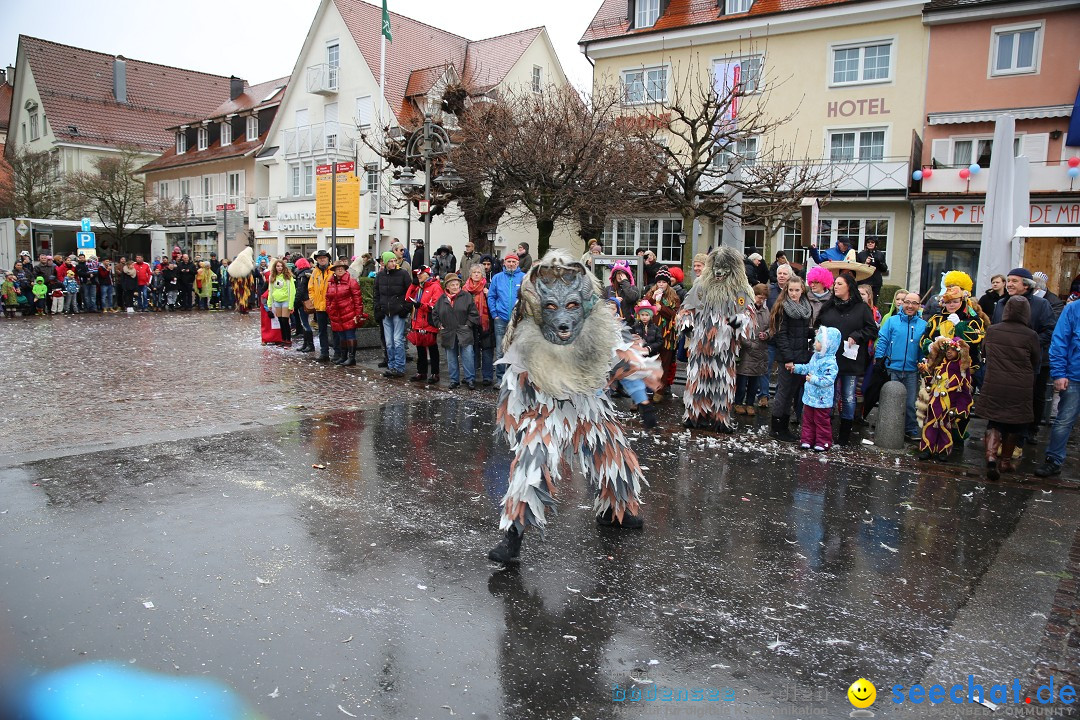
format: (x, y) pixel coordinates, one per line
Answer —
(565, 295)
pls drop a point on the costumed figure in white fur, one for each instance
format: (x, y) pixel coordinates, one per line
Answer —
(562, 348)
(718, 313)
(241, 274)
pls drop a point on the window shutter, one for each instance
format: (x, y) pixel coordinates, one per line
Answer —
(1035, 146)
(364, 111)
(939, 153)
(629, 14)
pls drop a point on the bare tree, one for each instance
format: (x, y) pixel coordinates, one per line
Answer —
(558, 156)
(705, 125)
(117, 195)
(32, 187)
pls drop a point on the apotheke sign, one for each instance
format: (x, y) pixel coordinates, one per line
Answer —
(298, 220)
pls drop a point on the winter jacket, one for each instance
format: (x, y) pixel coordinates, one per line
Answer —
(40, 289)
(834, 253)
(625, 294)
(853, 318)
(1042, 319)
(283, 290)
(10, 295)
(988, 301)
(82, 272)
(344, 303)
(204, 282)
(821, 372)
(71, 285)
(1065, 345)
(46, 270)
(185, 274)
(816, 303)
(881, 269)
(455, 319)
(390, 289)
(754, 353)
(143, 271)
(898, 342)
(792, 339)
(105, 277)
(317, 286)
(445, 262)
(466, 263)
(650, 336)
(302, 278)
(423, 299)
(525, 262)
(756, 273)
(157, 282)
(1013, 357)
(503, 293)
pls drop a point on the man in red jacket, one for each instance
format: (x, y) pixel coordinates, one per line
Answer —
(143, 274)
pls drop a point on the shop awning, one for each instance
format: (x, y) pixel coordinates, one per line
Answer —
(981, 116)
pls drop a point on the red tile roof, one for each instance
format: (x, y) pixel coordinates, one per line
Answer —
(238, 148)
(76, 90)
(254, 96)
(419, 53)
(611, 20)
(6, 91)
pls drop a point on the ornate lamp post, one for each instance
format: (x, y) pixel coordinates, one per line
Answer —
(426, 143)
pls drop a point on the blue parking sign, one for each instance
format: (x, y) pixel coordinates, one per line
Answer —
(85, 240)
(85, 225)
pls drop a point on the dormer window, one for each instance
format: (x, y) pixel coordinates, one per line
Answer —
(203, 138)
(646, 13)
(181, 142)
(735, 7)
(252, 127)
(226, 132)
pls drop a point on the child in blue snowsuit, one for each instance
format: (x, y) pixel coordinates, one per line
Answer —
(817, 397)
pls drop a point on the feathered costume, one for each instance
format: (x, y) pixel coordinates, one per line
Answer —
(563, 347)
(949, 396)
(719, 316)
(241, 271)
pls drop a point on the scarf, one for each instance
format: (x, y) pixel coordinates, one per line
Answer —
(798, 310)
(476, 289)
(823, 297)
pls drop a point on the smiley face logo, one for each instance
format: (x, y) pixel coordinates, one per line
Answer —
(862, 693)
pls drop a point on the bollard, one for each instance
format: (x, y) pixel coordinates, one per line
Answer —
(892, 405)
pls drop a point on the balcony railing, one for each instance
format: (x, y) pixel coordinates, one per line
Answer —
(1043, 177)
(320, 139)
(888, 176)
(322, 79)
(203, 208)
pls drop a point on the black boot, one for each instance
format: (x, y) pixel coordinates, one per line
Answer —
(629, 522)
(286, 332)
(309, 342)
(508, 548)
(648, 414)
(844, 436)
(350, 354)
(340, 354)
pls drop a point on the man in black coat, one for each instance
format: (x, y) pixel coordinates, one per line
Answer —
(391, 284)
(875, 258)
(1021, 282)
(185, 280)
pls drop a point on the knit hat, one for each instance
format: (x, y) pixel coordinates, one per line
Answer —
(423, 269)
(1040, 279)
(449, 277)
(663, 274)
(645, 305)
(1021, 273)
(71, 273)
(821, 275)
(388, 256)
(676, 273)
(960, 279)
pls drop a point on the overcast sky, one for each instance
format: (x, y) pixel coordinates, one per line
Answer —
(260, 41)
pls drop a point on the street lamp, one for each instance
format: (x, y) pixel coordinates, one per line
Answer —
(425, 143)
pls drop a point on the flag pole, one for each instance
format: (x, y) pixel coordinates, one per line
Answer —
(384, 31)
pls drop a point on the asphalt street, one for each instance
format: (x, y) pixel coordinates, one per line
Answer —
(177, 498)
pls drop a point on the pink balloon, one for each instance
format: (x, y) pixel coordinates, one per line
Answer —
(965, 174)
(1074, 161)
(927, 173)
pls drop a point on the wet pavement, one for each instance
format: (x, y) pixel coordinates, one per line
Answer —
(766, 579)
